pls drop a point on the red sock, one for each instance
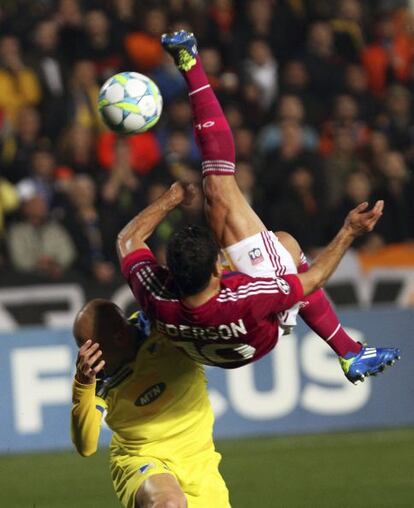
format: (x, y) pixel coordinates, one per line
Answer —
(320, 316)
(211, 129)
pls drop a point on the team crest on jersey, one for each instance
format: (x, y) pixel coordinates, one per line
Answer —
(145, 467)
(283, 286)
(256, 256)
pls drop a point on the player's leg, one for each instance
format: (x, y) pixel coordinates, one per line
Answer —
(160, 491)
(316, 310)
(318, 313)
(145, 482)
(230, 216)
(202, 481)
(232, 220)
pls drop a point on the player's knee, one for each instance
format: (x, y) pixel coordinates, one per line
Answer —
(291, 245)
(160, 491)
(170, 503)
(169, 500)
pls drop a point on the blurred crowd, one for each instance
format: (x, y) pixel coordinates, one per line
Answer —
(319, 94)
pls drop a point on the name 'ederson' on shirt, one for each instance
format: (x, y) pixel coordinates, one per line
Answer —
(235, 327)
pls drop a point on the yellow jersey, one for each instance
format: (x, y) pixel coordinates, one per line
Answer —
(158, 409)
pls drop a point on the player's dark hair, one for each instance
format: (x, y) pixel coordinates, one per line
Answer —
(191, 255)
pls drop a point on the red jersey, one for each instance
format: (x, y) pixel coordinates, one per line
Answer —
(235, 327)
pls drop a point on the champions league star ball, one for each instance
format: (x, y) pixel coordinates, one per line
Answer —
(130, 103)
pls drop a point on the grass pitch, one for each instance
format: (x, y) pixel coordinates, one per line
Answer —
(361, 469)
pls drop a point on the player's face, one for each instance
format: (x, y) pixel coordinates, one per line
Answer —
(112, 360)
(117, 349)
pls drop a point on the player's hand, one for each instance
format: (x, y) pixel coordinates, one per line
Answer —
(88, 363)
(183, 193)
(360, 220)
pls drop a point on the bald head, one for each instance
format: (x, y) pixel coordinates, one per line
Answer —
(101, 321)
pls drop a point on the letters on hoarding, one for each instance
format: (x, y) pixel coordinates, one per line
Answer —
(298, 387)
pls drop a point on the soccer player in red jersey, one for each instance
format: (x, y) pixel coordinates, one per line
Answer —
(232, 318)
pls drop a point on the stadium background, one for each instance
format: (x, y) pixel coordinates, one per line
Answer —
(320, 98)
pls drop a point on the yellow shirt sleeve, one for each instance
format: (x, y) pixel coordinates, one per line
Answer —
(86, 418)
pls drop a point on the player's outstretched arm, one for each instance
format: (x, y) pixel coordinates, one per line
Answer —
(86, 414)
(358, 222)
(141, 227)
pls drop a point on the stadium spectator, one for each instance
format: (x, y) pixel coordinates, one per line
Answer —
(19, 144)
(342, 161)
(295, 81)
(179, 149)
(143, 47)
(357, 189)
(72, 38)
(398, 121)
(261, 69)
(345, 115)
(347, 29)
(92, 230)
(397, 190)
(42, 176)
(124, 15)
(144, 149)
(219, 29)
(214, 66)
(83, 96)
(321, 61)
(388, 56)
(45, 60)
(250, 102)
(279, 23)
(234, 115)
(103, 44)
(222, 15)
(19, 86)
(77, 149)
(256, 21)
(374, 153)
(356, 85)
(37, 244)
(178, 118)
(122, 189)
(244, 141)
(290, 109)
(300, 210)
(278, 165)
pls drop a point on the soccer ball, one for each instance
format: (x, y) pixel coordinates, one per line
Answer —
(130, 103)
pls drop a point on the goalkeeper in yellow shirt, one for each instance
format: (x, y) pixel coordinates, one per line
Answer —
(155, 399)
